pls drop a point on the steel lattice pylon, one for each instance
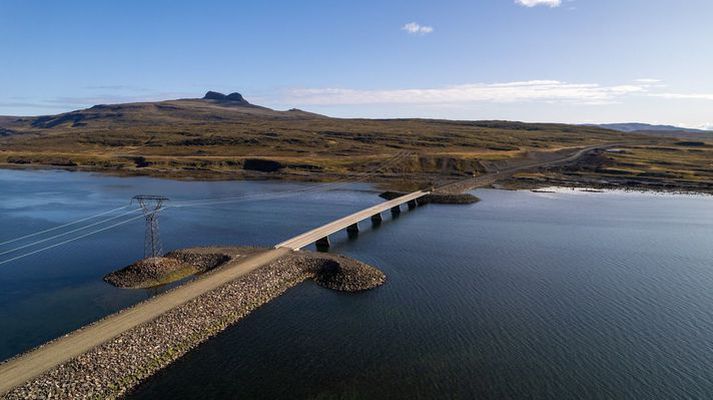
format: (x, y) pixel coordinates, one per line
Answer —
(151, 205)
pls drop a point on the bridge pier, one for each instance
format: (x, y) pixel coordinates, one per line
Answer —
(353, 230)
(376, 219)
(395, 211)
(323, 244)
(411, 204)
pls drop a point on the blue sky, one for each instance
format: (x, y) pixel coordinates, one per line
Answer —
(561, 60)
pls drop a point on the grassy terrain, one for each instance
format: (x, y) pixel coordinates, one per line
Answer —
(208, 139)
(670, 165)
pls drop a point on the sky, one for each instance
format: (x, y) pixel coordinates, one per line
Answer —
(573, 61)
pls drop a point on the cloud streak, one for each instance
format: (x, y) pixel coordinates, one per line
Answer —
(685, 96)
(37, 105)
(534, 3)
(509, 92)
(417, 29)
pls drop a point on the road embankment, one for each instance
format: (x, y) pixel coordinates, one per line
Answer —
(112, 368)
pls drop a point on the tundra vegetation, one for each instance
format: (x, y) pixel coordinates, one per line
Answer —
(225, 137)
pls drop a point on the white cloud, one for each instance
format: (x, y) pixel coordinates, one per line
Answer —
(533, 3)
(417, 29)
(508, 92)
(685, 96)
(648, 80)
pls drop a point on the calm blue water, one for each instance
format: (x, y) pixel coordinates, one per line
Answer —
(524, 295)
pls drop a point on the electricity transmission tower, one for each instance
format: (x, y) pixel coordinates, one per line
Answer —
(151, 205)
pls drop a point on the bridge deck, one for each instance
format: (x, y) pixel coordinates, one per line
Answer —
(312, 236)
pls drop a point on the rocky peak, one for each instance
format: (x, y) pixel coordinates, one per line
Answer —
(214, 96)
(234, 97)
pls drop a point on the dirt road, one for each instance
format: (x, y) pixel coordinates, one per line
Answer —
(29, 365)
(537, 160)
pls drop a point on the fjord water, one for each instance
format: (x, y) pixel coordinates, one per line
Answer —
(523, 295)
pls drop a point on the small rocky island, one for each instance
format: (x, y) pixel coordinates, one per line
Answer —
(340, 273)
(174, 266)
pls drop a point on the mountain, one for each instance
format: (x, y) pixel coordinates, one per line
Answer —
(224, 136)
(636, 126)
(214, 106)
(229, 120)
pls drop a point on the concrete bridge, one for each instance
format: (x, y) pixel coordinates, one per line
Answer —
(320, 235)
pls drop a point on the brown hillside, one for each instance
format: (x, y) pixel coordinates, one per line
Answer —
(233, 139)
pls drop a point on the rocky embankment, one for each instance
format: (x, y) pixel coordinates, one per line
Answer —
(437, 197)
(174, 266)
(341, 273)
(113, 368)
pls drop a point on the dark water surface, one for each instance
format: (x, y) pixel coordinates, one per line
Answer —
(524, 295)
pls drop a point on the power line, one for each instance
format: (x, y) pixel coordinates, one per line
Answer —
(61, 226)
(81, 228)
(70, 240)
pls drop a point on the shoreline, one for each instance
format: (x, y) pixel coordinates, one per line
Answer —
(594, 190)
(112, 368)
(380, 185)
(601, 187)
(239, 175)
